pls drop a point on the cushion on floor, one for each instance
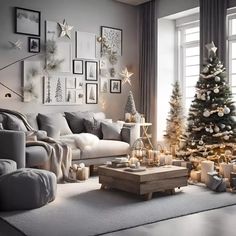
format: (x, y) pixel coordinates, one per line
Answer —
(7, 166)
(26, 189)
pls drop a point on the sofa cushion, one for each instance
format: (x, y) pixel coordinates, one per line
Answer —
(54, 124)
(93, 126)
(76, 120)
(36, 156)
(32, 120)
(111, 131)
(14, 123)
(106, 148)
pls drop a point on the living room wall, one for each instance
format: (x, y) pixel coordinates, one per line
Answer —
(85, 16)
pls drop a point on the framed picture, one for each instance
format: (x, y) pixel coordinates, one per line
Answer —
(78, 67)
(80, 97)
(104, 86)
(27, 21)
(91, 93)
(85, 45)
(70, 83)
(113, 37)
(115, 86)
(91, 70)
(34, 44)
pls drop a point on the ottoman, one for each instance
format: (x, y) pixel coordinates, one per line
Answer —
(7, 166)
(26, 189)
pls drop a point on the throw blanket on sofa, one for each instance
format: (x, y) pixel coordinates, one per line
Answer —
(60, 156)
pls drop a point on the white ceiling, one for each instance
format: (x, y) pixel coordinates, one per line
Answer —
(133, 2)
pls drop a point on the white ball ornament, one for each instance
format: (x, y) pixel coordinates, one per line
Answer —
(203, 97)
(216, 129)
(200, 142)
(206, 113)
(226, 110)
(222, 126)
(211, 130)
(217, 79)
(228, 127)
(220, 113)
(198, 96)
(207, 130)
(226, 137)
(216, 90)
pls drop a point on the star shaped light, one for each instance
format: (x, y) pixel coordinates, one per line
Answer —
(211, 47)
(125, 74)
(65, 29)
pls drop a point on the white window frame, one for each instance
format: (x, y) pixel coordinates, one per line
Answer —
(230, 40)
(181, 64)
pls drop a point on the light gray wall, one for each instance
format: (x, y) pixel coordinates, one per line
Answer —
(84, 15)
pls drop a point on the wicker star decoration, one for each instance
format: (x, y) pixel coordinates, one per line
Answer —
(65, 29)
(125, 74)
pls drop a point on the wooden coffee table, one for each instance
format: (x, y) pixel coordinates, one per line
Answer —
(153, 179)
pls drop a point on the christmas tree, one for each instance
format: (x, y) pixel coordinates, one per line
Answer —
(211, 122)
(130, 105)
(58, 94)
(175, 121)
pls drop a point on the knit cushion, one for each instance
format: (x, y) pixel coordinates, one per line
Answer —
(7, 166)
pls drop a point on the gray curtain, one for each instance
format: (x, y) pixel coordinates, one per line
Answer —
(148, 63)
(213, 27)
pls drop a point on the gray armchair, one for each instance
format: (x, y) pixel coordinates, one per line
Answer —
(13, 147)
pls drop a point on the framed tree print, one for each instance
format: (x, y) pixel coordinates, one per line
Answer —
(91, 70)
(91, 93)
(27, 21)
(115, 86)
(113, 38)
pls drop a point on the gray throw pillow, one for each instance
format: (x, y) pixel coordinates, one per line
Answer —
(76, 120)
(93, 126)
(32, 120)
(111, 131)
(1, 126)
(15, 123)
(53, 124)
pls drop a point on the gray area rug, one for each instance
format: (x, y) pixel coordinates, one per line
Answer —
(83, 209)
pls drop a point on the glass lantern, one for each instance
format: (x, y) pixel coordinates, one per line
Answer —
(139, 151)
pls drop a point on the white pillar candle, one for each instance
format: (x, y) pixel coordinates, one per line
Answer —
(133, 160)
(195, 175)
(234, 168)
(227, 169)
(162, 159)
(206, 166)
(168, 159)
(83, 173)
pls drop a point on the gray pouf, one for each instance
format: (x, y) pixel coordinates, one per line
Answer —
(7, 166)
(26, 189)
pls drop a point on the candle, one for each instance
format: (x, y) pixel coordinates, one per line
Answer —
(133, 160)
(195, 175)
(234, 168)
(207, 166)
(226, 169)
(83, 173)
(168, 159)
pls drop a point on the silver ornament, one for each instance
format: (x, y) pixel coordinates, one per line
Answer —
(216, 129)
(216, 90)
(222, 126)
(228, 127)
(220, 114)
(200, 142)
(226, 110)
(217, 79)
(211, 130)
(226, 137)
(206, 113)
(207, 130)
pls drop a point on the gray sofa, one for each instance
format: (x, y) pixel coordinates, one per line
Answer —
(113, 140)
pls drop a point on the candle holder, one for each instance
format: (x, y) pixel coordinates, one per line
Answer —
(139, 151)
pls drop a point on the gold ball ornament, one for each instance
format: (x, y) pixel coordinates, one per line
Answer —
(226, 110)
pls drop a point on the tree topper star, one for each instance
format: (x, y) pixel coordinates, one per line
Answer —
(65, 29)
(211, 47)
(125, 74)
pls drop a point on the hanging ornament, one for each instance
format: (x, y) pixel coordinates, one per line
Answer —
(216, 90)
(222, 126)
(207, 129)
(220, 114)
(226, 110)
(208, 98)
(206, 113)
(211, 130)
(203, 97)
(216, 129)
(205, 69)
(201, 142)
(217, 79)
(193, 143)
(228, 127)
(198, 95)
(208, 92)
(226, 137)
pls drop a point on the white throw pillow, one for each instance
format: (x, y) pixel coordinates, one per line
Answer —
(86, 140)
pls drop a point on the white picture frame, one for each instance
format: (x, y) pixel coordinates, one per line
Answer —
(32, 82)
(85, 45)
(91, 93)
(91, 70)
(104, 85)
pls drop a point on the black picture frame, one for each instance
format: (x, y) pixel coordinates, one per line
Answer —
(34, 45)
(91, 70)
(115, 86)
(27, 21)
(91, 93)
(114, 38)
(78, 67)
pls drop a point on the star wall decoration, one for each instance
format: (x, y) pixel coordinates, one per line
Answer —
(125, 74)
(16, 45)
(65, 29)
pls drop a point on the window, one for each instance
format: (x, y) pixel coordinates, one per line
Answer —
(188, 60)
(232, 53)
